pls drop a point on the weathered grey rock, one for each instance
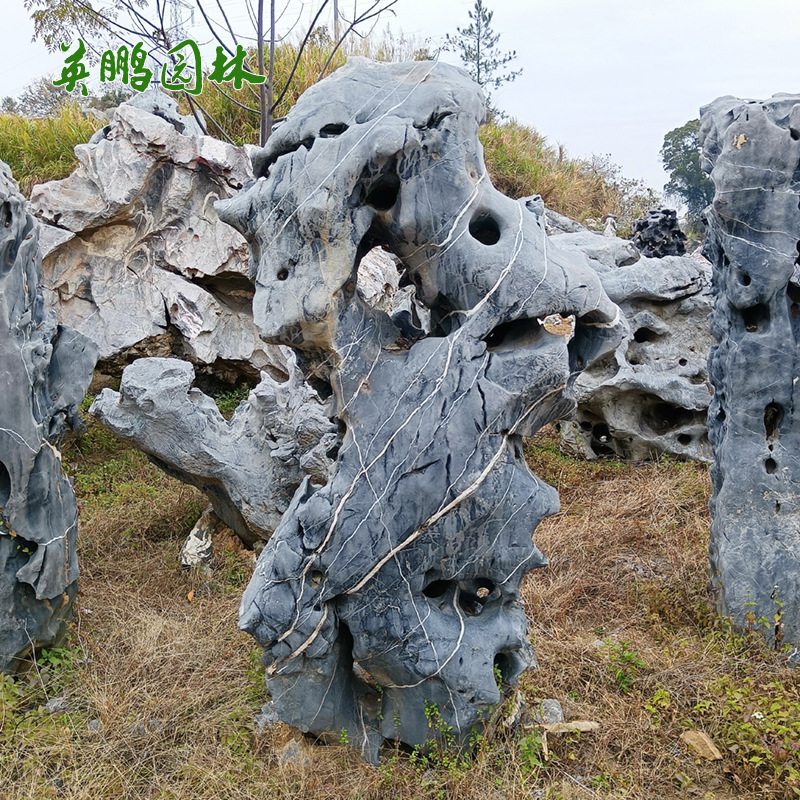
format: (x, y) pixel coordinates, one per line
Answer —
(396, 584)
(248, 466)
(605, 253)
(752, 150)
(161, 104)
(44, 372)
(136, 258)
(657, 234)
(649, 397)
(197, 550)
(548, 712)
(558, 223)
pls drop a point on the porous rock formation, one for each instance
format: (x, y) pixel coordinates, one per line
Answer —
(134, 254)
(752, 151)
(650, 396)
(657, 234)
(44, 371)
(394, 588)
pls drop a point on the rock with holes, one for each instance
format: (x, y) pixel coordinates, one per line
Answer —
(387, 600)
(136, 257)
(44, 371)
(248, 466)
(650, 396)
(752, 151)
(657, 234)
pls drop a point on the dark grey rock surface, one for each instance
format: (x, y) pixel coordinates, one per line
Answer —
(752, 151)
(394, 588)
(248, 466)
(650, 396)
(657, 234)
(44, 372)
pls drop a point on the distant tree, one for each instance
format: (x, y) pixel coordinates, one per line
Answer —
(476, 46)
(9, 105)
(681, 157)
(42, 99)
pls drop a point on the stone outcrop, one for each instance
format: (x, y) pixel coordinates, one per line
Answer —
(651, 395)
(394, 588)
(249, 466)
(44, 371)
(657, 234)
(752, 151)
(134, 254)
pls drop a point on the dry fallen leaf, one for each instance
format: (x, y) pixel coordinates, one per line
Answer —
(190, 596)
(560, 326)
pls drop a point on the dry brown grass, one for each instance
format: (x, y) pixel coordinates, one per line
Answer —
(172, 686)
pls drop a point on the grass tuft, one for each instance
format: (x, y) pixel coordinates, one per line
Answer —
(39, 150)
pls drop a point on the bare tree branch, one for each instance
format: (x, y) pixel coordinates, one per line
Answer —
(299, 55)
(368, 14)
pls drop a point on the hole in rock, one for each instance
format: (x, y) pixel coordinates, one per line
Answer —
(726, 262)
(745, 279)
(586, 425)
(683, 362)
(5, 484)
(6, 214)
(382, 194)
(770, 465)
(777, 507)
(601, 432)
(684, 439)
(663, 417)
(794, 134)
(436, 588)
(262, 163)
(773, 414)
(698, 379)
(514, 334)
(322, 387)
(797, 260)
(646, 335)
(436, 118)
(316, 577)
(485, 228)
(601, 440)
(721, 415)
(332, 129)
(793, 292)
(470, 603)
(283, 274)
(755, 318)
(503, 665)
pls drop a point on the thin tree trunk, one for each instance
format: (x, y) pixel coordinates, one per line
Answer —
(271, 76)
(263, 89)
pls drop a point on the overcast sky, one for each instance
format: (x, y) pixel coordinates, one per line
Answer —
(607, 77)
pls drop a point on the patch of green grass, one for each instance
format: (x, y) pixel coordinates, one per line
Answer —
(228, 402)
(40, 150)
(521, 162)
